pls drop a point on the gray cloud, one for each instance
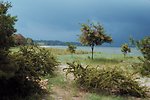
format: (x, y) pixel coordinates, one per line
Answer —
(59, 19)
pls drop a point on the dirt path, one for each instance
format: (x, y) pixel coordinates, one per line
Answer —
(67, 93)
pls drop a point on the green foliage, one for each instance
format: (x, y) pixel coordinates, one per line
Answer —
(145, 67)
(71, 48)
(29, 41)
(20, 71)
(109, 80)
(94, 96)
(93, 34)
(7, 65)
(144, 46)
(30, 64)
(7, 23)
(125, 49)
(34, 61)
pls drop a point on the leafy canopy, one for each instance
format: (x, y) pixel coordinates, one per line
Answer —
(93, 34)
(7, 23)
(125, 49)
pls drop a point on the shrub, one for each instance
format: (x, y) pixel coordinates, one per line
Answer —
(71, 48)
(125, 49)
(143, 67)
(144, 47)
(31, 63)
(108, 80)
(36, 61)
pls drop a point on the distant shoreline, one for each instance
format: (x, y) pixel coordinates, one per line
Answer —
(61, 43)
(108, 50)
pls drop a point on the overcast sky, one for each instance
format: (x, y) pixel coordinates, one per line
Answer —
(59, 19)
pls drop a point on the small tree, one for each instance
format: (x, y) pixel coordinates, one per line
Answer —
(71, 48)
(29, 41)
(93, 34)
(19, 39)
(125, 49)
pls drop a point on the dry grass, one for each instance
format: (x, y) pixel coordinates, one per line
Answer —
(57, 51)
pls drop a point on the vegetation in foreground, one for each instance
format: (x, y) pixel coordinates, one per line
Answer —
(110, 61)
(106, 79)
(30, 65)
(23, 72)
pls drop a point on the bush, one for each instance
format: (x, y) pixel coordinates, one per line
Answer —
(71, 48)
(35, 61)
(108, 80)
(31, 64)
(144, 47)
(143, 67)
(125, 49)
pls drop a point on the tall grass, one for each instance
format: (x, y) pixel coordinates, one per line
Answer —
(65, 51)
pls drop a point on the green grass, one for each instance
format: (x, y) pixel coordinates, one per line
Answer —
(99, 58)
(57, 51)
(94, 96)
(56, 80)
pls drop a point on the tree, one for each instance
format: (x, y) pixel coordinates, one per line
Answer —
(93, 34)
(29, 41)
(19, 39)
(20, 72)
(71, 48)
(125, 49)
(7, 23)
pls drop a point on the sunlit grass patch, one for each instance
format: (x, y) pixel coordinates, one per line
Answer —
(57, 80)
(99, 59)
(94, 96)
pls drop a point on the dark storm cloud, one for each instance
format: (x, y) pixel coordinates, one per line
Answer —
(59, 19)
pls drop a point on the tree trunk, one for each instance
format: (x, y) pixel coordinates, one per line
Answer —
(124, 55)
(92, 50)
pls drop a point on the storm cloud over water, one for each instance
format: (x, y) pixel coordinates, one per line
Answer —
(59, 19)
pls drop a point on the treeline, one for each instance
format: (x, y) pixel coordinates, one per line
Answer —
(55, 42)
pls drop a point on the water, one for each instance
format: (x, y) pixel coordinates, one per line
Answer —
(109, 50)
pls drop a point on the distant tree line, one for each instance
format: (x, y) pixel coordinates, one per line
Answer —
(55, 42)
